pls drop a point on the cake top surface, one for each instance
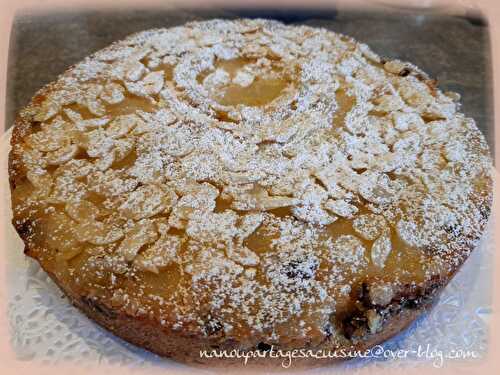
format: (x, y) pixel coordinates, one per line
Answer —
(236, 176)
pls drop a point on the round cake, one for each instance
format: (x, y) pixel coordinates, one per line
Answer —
(248, 185)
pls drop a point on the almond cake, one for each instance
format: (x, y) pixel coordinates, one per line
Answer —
(245, 185)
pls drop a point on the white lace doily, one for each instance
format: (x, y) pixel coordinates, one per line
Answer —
(45, 327)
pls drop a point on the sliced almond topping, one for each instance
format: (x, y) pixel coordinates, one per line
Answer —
(309, 208)
(404, 121)
(248, 224)
(213, 227)
(160, 254)
(368, 53)
(67, 188)
(190, 187)
(381, 249)
(259, 200)
(97, 233)
(47, 110)
(98, 144)
(122, 148)
(242, 255)
(282, 132)
(369, 226)
(376, 187)
(238, 178)
(143, 233)
(381, 294)
(410, 233)
(272, 202)
(388, 103)
(178, 142)
(113, 93)
(162, 225)
(198, 203)
(62, 155)
(243, 78)
(348, 250)
(210, 263)
(82, 211)
(150, 85)
(374, 321)
(70, 253)
(111, 183)
(44, 141)
(394, 66)
(147, 201)
(134, 70)
(90, 99)
(77, 168)
(85, 125)
(122, 125)
(52, 137)
(341, 208)
(42, 181)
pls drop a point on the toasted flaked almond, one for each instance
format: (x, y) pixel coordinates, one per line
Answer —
(272, 202)
(105, 162)
(160, 254)
(111, 183)
(82, 211)
(70, 253)
(162, 225)
(369, 226)
(98, 144)
(97, 233)
(62, 155)
(42, 181)
(381, 249)
(122, 125)
(374, 321)
(113, 93)
(248, 200)
(242, 255)
(89, 97)
(381, 293)
(142, 233)
(394, 66)
(213, 227)
(150, 85)
(122, 148)
(47, 110)
(92, 123)
(67, 188)
(134, 70)
(248, 224)
(341, 208)
(189, 205)
(147, 201)
(237, 178)
(348, 250)
(368, 53)
(51, 138)
(388, 103)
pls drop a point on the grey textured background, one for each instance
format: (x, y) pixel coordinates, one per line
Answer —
(454, 50)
